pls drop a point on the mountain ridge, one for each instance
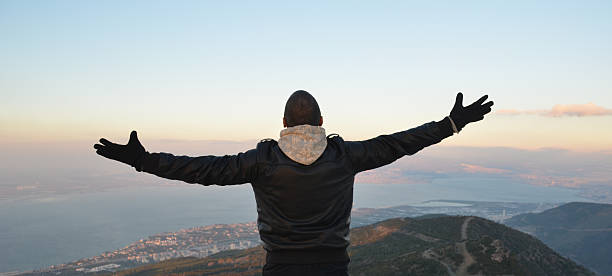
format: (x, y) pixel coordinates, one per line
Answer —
(444, 245)
(579, 230)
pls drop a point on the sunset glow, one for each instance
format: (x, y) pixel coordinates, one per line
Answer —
(204, 71)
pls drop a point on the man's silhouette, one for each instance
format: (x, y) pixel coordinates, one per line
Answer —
(303, 183)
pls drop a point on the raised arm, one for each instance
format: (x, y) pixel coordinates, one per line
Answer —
(384, 149)
(205, 170)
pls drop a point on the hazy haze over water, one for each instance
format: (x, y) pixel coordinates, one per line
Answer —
(42, 232)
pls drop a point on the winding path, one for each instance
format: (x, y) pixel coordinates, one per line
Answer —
(428, 254)
(467, 258)
(461, 246)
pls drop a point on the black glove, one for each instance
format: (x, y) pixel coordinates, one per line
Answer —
(128, 154)
(472, 113)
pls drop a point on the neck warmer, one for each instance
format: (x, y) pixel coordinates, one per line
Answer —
(303, 144)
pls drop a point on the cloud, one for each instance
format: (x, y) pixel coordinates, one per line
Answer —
(480, 169)
(551, 180)
(25, 187)
(579, 110)
(560, 110)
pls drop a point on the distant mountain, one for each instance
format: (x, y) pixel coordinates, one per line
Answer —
(438, 245)
(581, 231)
(206, 240)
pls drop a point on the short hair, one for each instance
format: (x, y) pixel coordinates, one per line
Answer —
(302, 109)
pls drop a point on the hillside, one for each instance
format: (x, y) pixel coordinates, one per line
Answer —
(446, 245)
(581, 231)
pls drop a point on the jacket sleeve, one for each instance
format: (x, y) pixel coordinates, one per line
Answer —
(206, 170)
(384, 149)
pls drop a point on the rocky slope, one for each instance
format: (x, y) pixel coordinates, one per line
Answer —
(444, 245)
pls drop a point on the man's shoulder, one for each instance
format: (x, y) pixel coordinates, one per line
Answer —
(334, 136)
(266, 142)
(265, 146)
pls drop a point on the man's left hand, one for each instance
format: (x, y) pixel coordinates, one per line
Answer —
(463, 115)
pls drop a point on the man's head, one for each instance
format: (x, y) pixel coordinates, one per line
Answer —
(302, 109)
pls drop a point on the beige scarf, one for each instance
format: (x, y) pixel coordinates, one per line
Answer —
(304, 143)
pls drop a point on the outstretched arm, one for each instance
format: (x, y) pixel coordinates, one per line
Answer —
(205, 170)
(384, 149)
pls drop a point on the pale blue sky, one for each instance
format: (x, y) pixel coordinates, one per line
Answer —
(216, 70)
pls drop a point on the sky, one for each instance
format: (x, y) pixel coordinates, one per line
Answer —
(219, 70)
(212, 77)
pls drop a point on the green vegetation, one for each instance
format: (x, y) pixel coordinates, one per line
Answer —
(424, 246)
(231, 263)
(578, 230)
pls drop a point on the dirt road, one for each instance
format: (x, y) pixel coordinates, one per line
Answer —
(467, 258)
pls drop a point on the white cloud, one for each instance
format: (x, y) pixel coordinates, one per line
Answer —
(560, 110)
(480, 169)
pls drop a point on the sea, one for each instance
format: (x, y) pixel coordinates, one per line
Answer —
(37, 233)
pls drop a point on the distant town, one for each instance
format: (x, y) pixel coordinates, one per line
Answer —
(193, 242)
(206, 240)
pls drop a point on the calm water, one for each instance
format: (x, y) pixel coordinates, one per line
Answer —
(35, 234)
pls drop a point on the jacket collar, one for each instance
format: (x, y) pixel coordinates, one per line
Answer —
(303, 144)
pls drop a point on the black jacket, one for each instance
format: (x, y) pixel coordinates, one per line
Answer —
(303, 210)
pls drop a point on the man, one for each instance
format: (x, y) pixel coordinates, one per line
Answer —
(303, 183)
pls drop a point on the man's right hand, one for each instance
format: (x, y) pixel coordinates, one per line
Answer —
(463, 115)
(128, 154)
